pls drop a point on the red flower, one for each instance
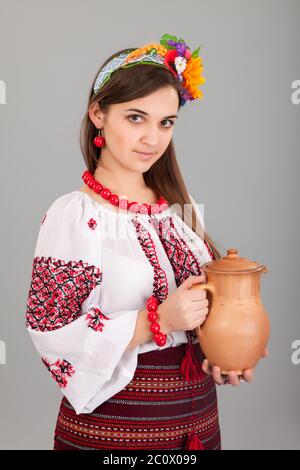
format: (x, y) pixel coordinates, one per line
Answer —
(63, 368)
(92, 224)
(170, 59)
(93, 317)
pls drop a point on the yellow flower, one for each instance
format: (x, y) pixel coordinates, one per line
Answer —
(193, 76)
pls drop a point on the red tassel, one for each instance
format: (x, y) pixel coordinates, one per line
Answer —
(194, 442)
(190, 367)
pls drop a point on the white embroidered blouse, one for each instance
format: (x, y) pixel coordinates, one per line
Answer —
(93, 270)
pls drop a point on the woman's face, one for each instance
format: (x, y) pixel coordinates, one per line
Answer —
(141, 125)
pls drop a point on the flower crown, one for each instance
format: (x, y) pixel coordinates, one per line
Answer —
(171, 53)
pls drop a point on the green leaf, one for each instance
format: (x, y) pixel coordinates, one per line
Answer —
(165, 38)
(196, 51)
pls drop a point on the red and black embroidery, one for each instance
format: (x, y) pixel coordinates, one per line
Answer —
(57, 291)
(182, 259)
(44, 218)
(60, 370)
(211, 254)
(160, 282)
(94, 317)
(92, 223)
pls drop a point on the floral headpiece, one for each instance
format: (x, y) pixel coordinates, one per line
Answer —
(171, 53)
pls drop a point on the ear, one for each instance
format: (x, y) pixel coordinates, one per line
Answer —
(96, 115)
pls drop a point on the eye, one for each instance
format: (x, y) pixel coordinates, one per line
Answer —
(139, 116)
(134, 115)
(172, 122)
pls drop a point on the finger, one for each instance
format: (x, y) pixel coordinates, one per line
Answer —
(197, 294)
(248, 375)
(190, 282)
(197, 279)
(206, 367)
(201, 297)
(199, 315)
(233, 378)
(199, 324)
(217, 375)
(200, 321)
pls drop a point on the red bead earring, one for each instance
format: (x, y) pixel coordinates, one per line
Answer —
(99, 141)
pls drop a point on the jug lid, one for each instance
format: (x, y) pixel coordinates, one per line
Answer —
(233, 263)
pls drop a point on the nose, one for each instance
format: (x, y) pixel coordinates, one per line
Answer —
(150, 137)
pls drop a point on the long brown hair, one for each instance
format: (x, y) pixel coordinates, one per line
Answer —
(164, 177)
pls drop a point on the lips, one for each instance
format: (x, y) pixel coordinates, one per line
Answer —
(145, 153)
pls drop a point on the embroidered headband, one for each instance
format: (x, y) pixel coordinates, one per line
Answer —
(171, 53)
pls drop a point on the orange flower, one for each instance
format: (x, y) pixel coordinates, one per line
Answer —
(161, 50)
(193, 76)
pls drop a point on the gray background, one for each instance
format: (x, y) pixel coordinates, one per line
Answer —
(238, 149)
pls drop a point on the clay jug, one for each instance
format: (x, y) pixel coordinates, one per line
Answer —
(236, 330)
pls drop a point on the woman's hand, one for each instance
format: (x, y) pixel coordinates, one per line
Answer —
(185, 308)
(232, 378)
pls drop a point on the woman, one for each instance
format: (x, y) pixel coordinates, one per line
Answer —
(110, 307)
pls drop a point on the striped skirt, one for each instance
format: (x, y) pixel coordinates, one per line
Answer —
(158, 409)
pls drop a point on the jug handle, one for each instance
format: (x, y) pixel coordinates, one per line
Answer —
(210, 287)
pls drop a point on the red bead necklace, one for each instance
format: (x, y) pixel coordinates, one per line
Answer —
(135, 207)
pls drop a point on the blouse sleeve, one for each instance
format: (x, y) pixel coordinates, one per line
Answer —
(83, 348)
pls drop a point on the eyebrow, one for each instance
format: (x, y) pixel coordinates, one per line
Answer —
(146, 114)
